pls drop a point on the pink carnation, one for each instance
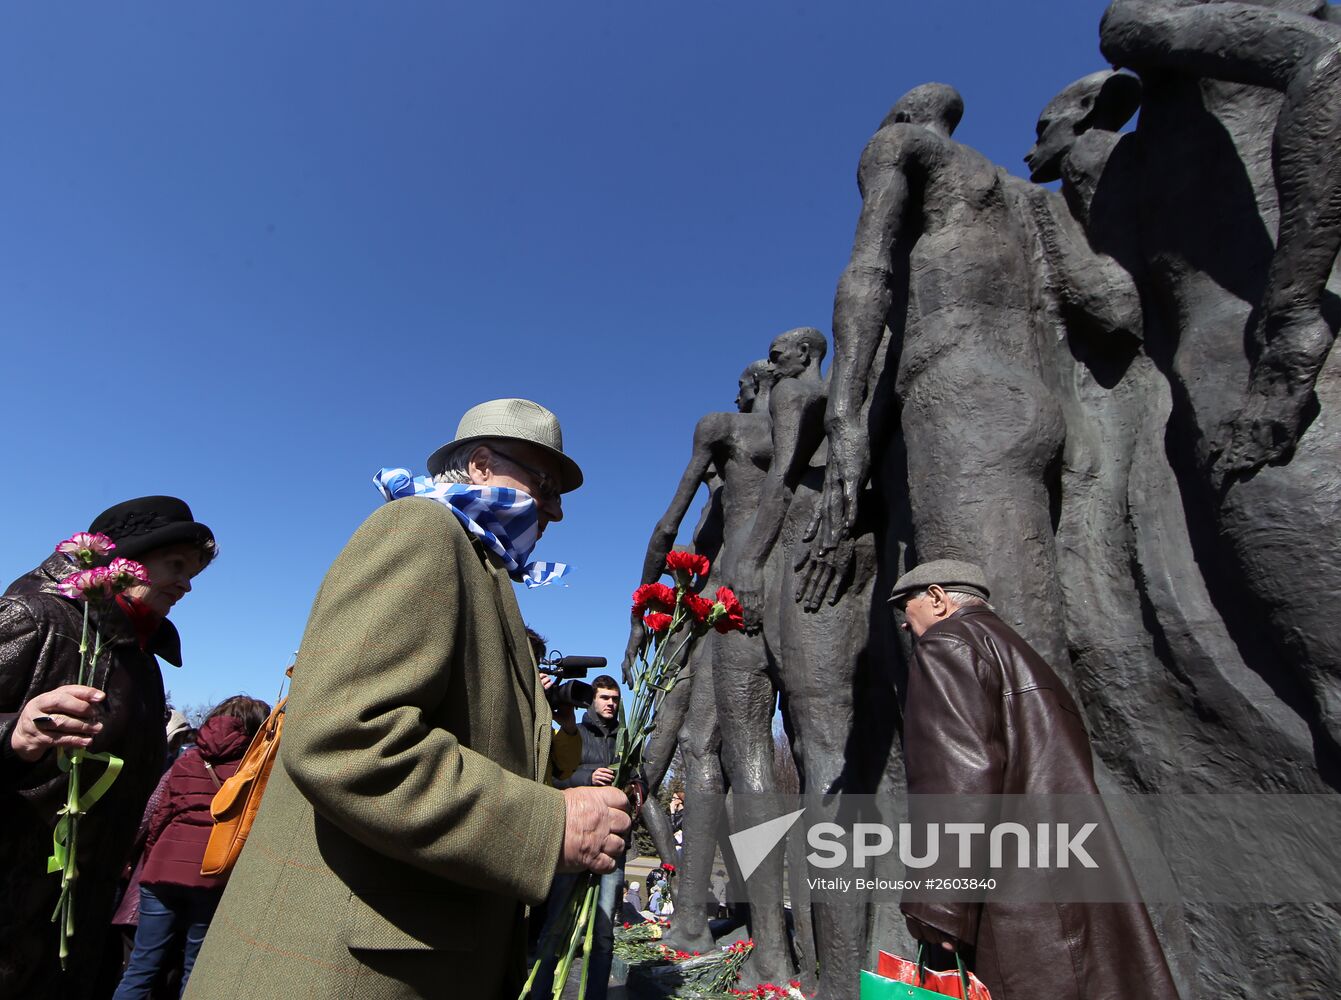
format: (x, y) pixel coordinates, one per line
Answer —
(127, 573)
(89, 584)
(86, 547)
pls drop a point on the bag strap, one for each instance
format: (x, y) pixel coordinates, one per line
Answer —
(209, 769)
(922, 971)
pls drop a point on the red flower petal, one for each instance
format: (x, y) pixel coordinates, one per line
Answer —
(653, 596)
(732, 616)
(688, 562)
(699, 607)
(657, 622)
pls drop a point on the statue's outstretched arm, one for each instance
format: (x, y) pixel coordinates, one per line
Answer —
(1299, 56)
(707, 436)
(1238, 42)
(699, 470)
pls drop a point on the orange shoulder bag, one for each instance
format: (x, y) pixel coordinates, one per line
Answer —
(235, 803)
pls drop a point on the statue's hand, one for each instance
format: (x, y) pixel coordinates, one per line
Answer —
(749, 590)
(637, 635)
(1265, 430)
(836, 516)
(822, 571)
(829, 523)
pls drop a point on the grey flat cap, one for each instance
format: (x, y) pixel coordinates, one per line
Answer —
(517, 420)
(951, 574)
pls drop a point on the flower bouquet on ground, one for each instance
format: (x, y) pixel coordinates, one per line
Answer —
(656, 969)
(674, 618)
(91, 584)
(638, 943)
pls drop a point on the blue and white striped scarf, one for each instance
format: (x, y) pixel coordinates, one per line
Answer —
(502, 518)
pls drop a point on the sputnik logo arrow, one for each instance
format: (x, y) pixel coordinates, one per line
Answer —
(752, 846)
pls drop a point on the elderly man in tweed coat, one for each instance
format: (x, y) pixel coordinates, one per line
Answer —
(406, 821)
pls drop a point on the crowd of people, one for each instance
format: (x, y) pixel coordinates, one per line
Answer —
(421, 800)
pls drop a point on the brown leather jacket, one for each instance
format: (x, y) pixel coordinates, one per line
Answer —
(986, 715)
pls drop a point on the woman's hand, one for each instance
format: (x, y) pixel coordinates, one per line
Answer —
(66, 716)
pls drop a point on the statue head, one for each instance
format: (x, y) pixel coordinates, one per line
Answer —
(936, 106)
(1105, 100)
(791, 353)
(755, 381)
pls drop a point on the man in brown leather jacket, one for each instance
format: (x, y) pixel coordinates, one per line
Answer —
(986, 715)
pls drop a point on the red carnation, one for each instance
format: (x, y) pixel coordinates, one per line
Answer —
(727, 614)
(689, 563)
(656, 622)
(653, 596)
(699, 607)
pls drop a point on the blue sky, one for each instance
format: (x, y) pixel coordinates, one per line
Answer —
(250, 253)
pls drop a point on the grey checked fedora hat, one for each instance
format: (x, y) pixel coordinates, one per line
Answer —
(949, 574)
(515, 420)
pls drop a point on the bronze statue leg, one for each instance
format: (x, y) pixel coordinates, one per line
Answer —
(704, 788)
(660, 750)
(819, 658)
(746, 697)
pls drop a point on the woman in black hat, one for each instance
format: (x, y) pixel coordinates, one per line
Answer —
(121, 710)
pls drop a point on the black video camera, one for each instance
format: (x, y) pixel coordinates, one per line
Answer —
(564, 668)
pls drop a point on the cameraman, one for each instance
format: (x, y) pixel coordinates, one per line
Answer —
(565, 750)
(599, 728)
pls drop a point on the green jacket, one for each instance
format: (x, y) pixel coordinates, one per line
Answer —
(406, 820)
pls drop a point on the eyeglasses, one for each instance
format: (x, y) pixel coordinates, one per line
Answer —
(545, 490)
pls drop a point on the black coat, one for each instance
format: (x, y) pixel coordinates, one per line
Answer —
(598, 749)
(39, 651)
(986, 715)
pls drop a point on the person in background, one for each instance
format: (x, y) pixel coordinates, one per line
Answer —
(986, 715)
(654, 902)
(599, 730)
(180, 736)
(174, 895)
(126, 919)
(566, 748)
(565, 755)
(676, 812)
(121, 711)
(633, 905)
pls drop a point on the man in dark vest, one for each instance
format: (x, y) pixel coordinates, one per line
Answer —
(986, 716)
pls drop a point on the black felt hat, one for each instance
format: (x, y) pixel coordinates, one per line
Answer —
(147, 523)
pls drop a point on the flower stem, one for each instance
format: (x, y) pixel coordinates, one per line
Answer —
(566, 965)
(97, 652)
(65, 908)
(587, 948)
(83, 645)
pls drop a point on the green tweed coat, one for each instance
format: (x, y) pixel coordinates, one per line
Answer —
(403, 825)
